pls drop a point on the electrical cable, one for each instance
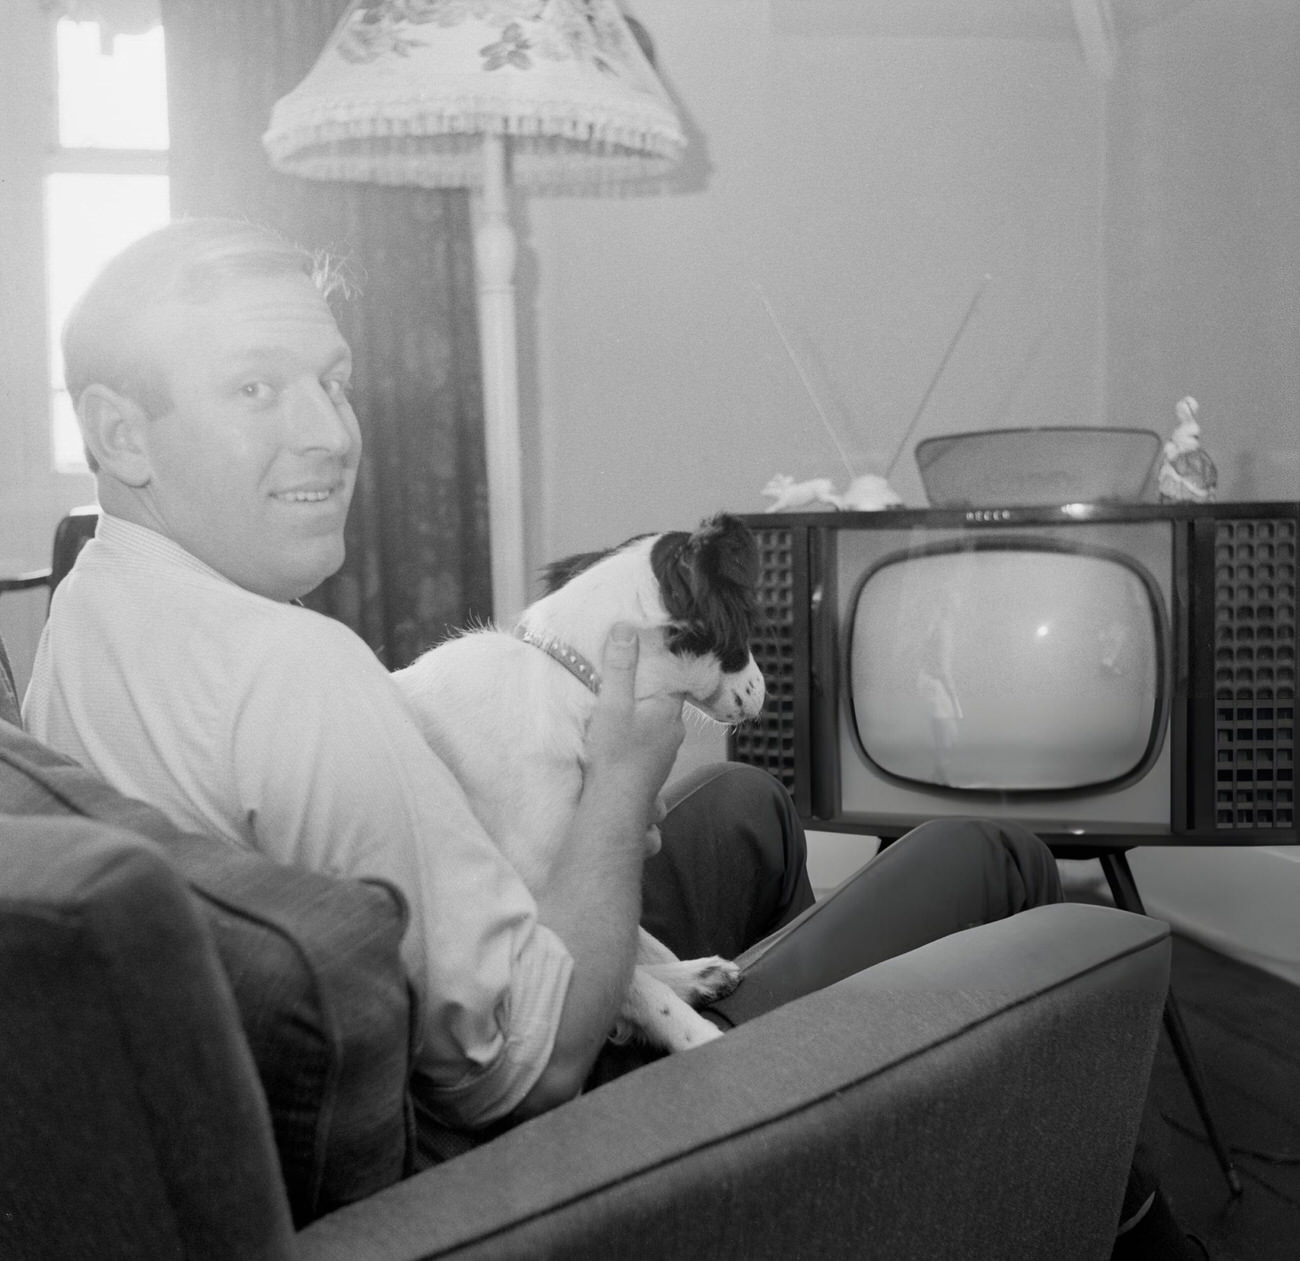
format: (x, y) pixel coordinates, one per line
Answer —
(1272, 1158)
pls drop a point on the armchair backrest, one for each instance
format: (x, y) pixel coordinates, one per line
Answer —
(72, 533)
(10, 707)
(312, 961)
(101, 952)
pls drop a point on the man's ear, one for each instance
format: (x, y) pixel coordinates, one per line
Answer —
(113, 429)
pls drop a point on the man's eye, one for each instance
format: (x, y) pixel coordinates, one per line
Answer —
(338, 389)
(257, 391)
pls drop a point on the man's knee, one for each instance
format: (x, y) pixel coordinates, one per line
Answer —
(756, 806)
(1035, 862)
(1002, 846)
(745, 819)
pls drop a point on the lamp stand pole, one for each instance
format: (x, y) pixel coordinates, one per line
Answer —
(494, 259)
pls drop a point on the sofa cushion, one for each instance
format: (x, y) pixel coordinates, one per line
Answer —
(8, 692)
(314, 966)
(116, 1141)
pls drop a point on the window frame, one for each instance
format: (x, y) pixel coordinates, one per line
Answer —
(33, 495)
(63, 159)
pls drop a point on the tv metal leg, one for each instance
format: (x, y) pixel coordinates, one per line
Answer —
(1123, 887)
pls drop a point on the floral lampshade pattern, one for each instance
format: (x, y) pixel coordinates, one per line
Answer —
(404, 88)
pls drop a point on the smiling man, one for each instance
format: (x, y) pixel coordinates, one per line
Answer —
(211, 384)
(229, 405)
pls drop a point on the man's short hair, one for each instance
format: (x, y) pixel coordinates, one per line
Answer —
(189, 260)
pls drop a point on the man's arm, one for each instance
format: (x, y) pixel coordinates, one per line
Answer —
(593, 901)
(519, 997)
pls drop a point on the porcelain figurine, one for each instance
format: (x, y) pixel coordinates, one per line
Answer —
(1186, 473)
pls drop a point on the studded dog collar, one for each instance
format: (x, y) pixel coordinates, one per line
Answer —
(570, 658)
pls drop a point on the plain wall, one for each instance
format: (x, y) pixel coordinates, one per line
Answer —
(1203, 298)
(867, 186)
(1202, 235)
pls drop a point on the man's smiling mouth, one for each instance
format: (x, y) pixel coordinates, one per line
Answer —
(303, 496)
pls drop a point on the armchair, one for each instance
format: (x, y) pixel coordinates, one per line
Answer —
(72, 533)
(206, 1055)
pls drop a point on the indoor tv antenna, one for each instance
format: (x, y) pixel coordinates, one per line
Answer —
(938, 372)
(866, 491)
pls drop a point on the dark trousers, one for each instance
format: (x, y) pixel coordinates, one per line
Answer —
(731, 879)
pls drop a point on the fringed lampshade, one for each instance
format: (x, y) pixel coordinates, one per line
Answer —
(403, 90)
(547, 94)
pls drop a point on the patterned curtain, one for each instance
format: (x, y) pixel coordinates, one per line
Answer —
(418, 563)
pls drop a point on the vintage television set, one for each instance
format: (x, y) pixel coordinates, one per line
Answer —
(1108, 674)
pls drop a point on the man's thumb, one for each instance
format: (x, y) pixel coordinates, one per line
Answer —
(621, 650)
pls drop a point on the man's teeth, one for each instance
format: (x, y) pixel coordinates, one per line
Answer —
(305, 496)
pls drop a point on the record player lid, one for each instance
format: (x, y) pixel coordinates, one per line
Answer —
(1044, 467)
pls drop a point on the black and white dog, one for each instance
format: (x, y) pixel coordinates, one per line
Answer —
(508, 714)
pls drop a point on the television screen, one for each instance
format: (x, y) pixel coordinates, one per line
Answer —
(1107, 675)
(1007, 668)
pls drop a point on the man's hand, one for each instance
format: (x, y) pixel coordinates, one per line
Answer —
(633, 740)
(593, 899)
(653, 840)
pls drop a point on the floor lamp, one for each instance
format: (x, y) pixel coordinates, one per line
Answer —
(549, 95)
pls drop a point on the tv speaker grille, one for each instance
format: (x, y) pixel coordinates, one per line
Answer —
(768, 741)
(1255, 569)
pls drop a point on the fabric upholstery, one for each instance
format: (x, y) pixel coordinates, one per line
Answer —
(976, 1098)
(313, 964)
(103, 965)
(9, 711)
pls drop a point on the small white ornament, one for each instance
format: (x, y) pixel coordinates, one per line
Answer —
(786, 493)
(868, 493)
(1186, 473)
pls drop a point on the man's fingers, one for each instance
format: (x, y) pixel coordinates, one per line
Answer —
(619, 662)
(643, 734)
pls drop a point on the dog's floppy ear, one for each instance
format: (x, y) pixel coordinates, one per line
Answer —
(725, 553)
(558, 572)
(721, 557)
(708, 581)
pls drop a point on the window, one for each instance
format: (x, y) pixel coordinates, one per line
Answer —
(106, 177)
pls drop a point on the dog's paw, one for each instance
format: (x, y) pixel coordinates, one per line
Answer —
(698, 981)
(673, 1030)
(652, 1012)
(686, 1030)
(716, 979)
(696, 1035)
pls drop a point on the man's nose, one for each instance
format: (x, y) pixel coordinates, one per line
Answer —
(319, 422)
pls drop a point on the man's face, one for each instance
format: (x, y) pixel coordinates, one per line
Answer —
(252, 469)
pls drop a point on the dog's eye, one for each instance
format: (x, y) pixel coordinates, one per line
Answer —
(696, 641)
(686, 641)
(735, 658)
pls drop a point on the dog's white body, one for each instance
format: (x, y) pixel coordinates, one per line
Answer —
(511, 723)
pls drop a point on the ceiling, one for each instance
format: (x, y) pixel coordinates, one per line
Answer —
(1015, 19)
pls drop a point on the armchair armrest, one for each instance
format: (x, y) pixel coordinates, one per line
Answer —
(24, 582)
(978, 1096)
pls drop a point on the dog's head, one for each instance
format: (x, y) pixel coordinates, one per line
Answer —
(691, 596)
